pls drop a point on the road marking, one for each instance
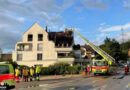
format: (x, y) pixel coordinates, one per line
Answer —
(43, 85)
(103, 87)
(97, 80)
(128, 85)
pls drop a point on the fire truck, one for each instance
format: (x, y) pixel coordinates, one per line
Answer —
(99, 66)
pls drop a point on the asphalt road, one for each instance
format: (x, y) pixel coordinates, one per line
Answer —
(117, 82)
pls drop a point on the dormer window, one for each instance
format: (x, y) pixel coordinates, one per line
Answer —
(40, 37)
(30, 37)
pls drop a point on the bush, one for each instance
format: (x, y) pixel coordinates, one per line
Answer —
(60, 69)
(45, 71)
(74, 69)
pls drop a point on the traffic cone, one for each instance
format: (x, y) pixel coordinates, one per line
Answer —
(55, 76)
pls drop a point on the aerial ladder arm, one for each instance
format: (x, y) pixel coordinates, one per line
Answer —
(96, 48)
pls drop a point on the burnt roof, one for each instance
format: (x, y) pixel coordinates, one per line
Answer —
(61, 37)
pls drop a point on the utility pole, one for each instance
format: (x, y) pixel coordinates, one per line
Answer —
(122, 30)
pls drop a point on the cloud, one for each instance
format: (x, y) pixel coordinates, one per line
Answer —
(115, 28)
(126, 37)
(15, 13)
(126, 4)
(79, 40)
(94, 4)
(100, 38)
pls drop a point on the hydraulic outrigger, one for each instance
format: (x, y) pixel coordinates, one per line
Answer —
(98, 65)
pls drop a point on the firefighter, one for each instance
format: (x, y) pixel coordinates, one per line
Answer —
(31, 73)
(17, 74)
(26, 74)
(38, 70)
(34, 76)
(126, 69)
(88, 69)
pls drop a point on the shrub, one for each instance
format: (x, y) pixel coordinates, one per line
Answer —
(74, 69)
(60, 69)
(45, 71)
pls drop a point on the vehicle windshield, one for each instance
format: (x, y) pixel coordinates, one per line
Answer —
(4, 69)
(100, 63)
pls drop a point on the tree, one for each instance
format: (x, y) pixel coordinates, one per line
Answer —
(112, 47)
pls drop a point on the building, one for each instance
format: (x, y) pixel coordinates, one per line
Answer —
(129, 53)
(88, 50)
(83, 54)
(40, 47)
(5, 57)
(0, 53)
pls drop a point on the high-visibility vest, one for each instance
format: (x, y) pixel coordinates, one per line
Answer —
(38, 70)
(17, 72)
(25, 72)
(31, 72)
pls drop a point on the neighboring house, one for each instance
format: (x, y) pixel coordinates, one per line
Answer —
(6, 57)
(39, 47)
(88, 50)
(0, 53)
(129, 54)
(83, 54)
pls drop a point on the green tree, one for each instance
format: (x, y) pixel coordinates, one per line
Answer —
(112, 47)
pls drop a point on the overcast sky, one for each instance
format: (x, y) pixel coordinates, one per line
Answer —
(94, 19)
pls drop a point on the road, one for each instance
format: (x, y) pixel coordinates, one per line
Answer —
(117, 82)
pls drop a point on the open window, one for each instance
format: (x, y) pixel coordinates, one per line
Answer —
(40, 37)
(30, 37)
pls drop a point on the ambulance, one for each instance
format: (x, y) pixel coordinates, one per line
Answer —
(7, 77)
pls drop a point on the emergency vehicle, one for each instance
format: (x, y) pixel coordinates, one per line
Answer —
(7, 77)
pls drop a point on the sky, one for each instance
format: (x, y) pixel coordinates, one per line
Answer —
(94, 19)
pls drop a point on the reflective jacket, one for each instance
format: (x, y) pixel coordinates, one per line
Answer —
(38, 69)
(17, 72)
(26, 72)
(31, 72)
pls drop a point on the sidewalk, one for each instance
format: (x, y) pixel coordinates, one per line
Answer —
(22, 84)
(61, 76)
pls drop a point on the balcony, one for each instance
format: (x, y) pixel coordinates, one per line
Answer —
(83, 60)
(24, 47)
(66, 59)
(64, 49)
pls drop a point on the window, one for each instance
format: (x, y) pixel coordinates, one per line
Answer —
(4, 69)
(19, 57)
(39, 57)
(30, 37)
(40, 37)
(39, 47)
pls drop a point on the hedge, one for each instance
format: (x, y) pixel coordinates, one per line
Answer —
(60, 69)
